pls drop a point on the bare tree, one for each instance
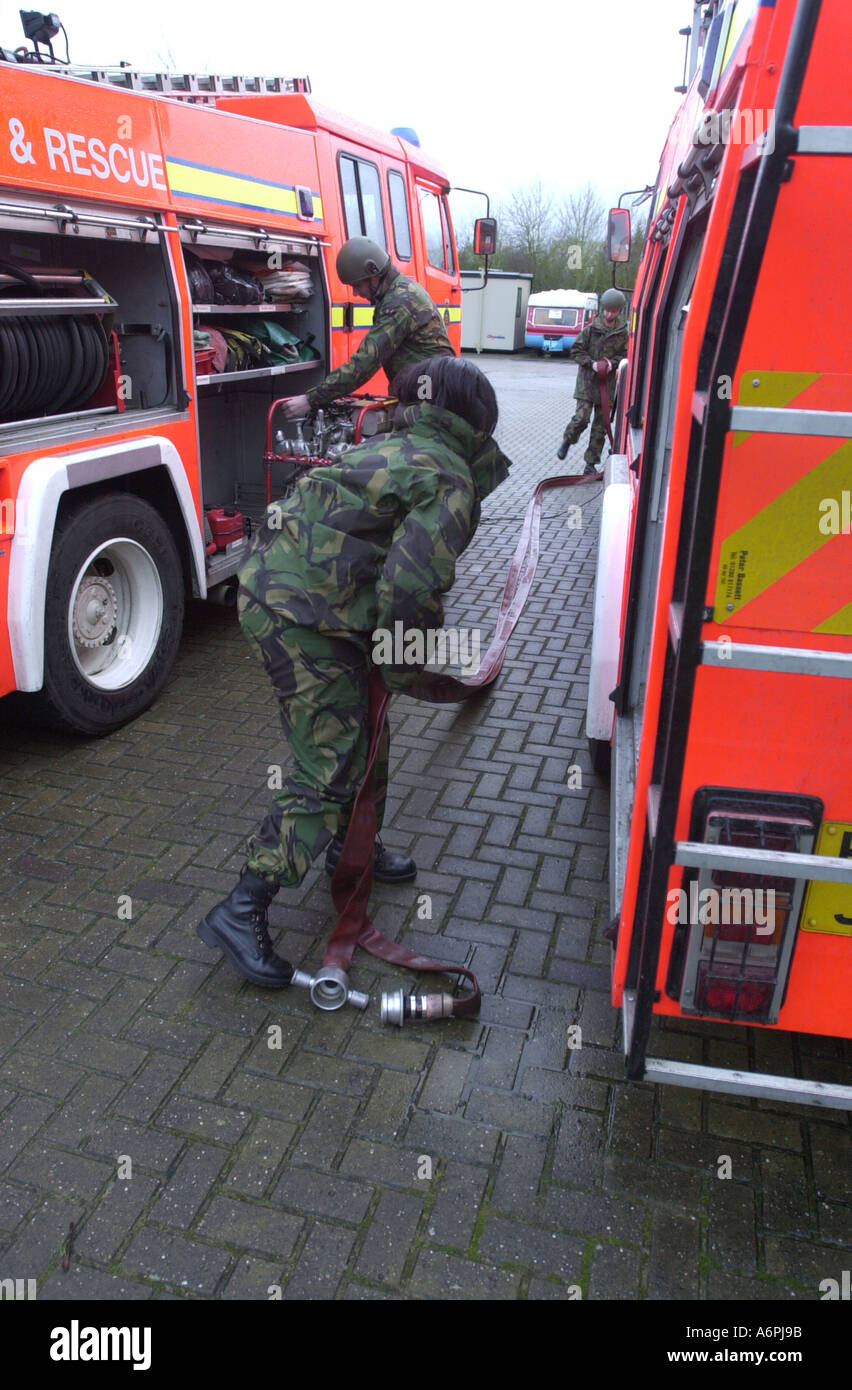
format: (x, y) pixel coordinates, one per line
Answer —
(582, 219)
(583, 215)
(563, 245)
(527, 220)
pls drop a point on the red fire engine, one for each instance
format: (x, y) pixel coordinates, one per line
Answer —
(723, 628)
(133, 400)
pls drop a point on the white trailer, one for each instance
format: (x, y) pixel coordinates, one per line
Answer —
(555, 318)
(493, 318)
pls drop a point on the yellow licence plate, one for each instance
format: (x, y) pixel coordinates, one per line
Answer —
(828, 906)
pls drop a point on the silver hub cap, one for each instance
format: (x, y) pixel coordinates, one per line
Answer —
(115, 614)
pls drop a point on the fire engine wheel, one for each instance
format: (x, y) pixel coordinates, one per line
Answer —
(113, 615)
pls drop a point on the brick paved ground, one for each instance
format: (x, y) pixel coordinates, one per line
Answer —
(211, 1139)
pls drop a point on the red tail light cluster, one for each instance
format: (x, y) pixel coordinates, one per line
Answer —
(741, 926)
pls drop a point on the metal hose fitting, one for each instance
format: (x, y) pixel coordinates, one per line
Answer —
(422, 1008)
(330, 988)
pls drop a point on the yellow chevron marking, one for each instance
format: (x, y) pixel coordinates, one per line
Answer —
(825, 902)
(839, 623)
(769, 389)
(781, 535)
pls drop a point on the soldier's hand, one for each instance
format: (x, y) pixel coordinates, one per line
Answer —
(601, 366)
(295, 407)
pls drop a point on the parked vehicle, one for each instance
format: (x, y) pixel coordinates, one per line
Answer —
(722, 649)
(167, 269)
(555, 318)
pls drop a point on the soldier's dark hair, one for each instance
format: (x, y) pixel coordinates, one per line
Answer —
(452, 383)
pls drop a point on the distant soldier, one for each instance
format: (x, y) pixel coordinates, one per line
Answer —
(407, 328)
(597, 351)
(363, 544)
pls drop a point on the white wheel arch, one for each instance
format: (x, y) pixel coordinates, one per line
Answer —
(609, 591)
(42, 486)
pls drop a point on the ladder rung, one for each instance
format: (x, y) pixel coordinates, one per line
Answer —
(768, 419)
(693, 854)
(830, 1094)
(795, 661)
(187, 84)
(824, 139)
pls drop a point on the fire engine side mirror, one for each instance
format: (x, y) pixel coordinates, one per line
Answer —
(485, 236)
(618, 235)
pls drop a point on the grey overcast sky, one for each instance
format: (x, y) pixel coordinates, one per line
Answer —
(500, 95)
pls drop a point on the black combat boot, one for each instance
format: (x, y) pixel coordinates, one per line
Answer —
(238, 926)
(563, 449)
(388, 867)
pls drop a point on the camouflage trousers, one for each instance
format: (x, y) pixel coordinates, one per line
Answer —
(321, 682)
(577, 424)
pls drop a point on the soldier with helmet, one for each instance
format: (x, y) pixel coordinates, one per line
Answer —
(597, 351)
(406, 328)
(363, 544)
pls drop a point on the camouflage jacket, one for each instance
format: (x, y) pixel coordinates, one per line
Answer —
(373, 540)
(598, 340)
(406, 328)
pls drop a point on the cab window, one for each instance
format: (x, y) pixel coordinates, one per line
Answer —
(449, 257)
(362, 199)
(430, 206)
(399, 215)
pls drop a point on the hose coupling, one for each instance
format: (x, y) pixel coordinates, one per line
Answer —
(397, 1006)
(330, 988)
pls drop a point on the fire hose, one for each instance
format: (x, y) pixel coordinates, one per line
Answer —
(353, 876)
(602, 370)
(48, 364)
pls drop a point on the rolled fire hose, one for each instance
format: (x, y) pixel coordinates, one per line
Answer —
(353, 876)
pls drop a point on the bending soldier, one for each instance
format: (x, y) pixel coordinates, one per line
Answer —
(597, 351)
(406, 326)
(361, 545)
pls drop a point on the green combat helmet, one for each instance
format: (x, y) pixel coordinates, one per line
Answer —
(610, 299)
(360, 259)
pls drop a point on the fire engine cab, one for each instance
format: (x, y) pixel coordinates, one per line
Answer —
(167, 272)
(722, 648)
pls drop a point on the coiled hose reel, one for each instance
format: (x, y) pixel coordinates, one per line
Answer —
(48, 364)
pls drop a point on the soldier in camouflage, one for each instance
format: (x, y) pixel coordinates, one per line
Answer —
(407, 328)
(362, 545)
(597, 352)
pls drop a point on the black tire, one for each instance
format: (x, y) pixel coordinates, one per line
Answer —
(600, 754)
(133, 614)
